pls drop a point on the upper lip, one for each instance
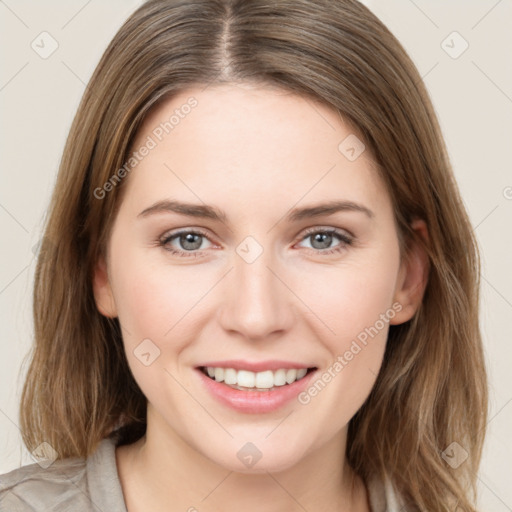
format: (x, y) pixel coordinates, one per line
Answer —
(256, 366)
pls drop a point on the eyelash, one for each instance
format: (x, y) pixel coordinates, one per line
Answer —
(343, 237)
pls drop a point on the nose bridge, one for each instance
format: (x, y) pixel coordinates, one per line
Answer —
(257, 303)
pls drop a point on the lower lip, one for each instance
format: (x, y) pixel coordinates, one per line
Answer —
(255, 402)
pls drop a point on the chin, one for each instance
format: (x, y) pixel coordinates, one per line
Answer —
(257, 457)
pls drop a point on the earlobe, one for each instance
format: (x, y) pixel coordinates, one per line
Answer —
(413, 276)
(102, 290)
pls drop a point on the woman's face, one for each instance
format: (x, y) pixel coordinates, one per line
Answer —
(288, 258)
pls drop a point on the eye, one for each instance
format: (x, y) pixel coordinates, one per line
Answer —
(321, 240)
(185, 241)
(191, 242)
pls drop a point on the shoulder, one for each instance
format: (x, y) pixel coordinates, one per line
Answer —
(383, 496)
(33, 487)
(69, 484)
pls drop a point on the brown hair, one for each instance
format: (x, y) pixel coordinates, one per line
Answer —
(432, 388)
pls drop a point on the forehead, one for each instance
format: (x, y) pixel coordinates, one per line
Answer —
(250, 145)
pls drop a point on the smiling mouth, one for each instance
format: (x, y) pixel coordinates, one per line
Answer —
(245, 380)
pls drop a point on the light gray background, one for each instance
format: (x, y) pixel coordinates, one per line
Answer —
(472, 95)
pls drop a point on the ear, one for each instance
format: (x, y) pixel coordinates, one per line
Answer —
(103, 295)
(412, 276)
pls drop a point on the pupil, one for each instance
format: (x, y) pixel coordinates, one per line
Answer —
(324, 239)
(190, 241)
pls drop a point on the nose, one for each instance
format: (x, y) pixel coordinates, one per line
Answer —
(257, 302)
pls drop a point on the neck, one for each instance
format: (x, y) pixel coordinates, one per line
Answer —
(163, 472)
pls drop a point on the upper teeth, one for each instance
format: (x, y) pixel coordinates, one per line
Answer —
(261, 380)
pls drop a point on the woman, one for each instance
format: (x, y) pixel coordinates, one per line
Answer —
(258, 285)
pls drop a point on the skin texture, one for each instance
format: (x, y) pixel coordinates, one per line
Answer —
(255, 153)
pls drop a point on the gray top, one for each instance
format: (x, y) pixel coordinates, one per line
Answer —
(92, 485)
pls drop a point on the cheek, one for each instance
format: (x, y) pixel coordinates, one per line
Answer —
(351, 297)
(152, 298)
(152, 303)
(165, 303)
(355, 306)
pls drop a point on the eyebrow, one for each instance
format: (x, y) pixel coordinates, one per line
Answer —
(204, 211)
